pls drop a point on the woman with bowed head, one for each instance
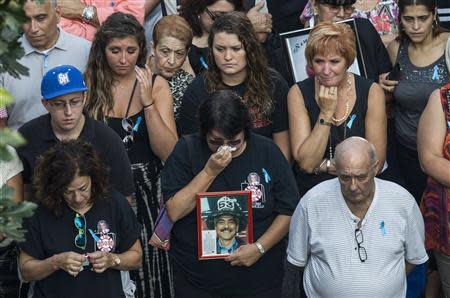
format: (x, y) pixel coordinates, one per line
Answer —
(201, 14)
(225, 155)
(172, 39)
(236, 61)
(332, 106)
(83, 234)
(123, 92)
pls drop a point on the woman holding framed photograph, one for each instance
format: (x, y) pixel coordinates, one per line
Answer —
(227, 156)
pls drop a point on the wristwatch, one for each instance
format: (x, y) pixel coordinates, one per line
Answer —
(116, 260)
(88, 13)
(325, 122)
(260, 248)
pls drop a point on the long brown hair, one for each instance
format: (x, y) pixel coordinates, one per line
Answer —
(257, 95)
(98, 74)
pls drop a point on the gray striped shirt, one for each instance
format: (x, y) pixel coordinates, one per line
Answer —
(322, 238)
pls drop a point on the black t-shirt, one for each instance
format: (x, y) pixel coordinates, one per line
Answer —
(375, 55)
(40, 137)
(197, 93)
(48, 235)
(197, 59)
(278, 195)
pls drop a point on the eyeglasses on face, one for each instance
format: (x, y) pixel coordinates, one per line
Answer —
(359, 237)
(61, 105)
(128, 140)
(220, 142)
(213, 15)
(80, 224)
(336, 8)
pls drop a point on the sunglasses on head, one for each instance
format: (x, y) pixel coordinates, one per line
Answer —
(80, 224)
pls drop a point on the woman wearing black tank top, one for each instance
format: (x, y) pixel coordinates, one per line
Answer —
(331, 106)
(138, 105)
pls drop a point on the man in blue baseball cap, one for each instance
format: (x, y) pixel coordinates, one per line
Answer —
(45, 46)
(63, 96)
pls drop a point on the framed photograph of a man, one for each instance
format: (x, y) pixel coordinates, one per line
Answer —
(294, 45)
(224, 221)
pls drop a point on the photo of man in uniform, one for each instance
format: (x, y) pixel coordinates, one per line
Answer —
(227, 218)
(227, 227)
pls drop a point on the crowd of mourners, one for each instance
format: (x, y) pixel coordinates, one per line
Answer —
(133, 107)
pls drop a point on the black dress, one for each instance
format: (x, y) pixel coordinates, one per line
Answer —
(354, 125)
(154, 278)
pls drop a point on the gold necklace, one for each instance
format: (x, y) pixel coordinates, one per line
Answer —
(347, 102)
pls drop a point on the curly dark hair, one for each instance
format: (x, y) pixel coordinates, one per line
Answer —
(59, 165)
(98, 74)
(257, 95)
(191, 9)
(431, 5)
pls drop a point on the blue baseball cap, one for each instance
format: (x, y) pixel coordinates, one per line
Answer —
(62, 80)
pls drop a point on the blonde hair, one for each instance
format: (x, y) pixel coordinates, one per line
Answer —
(331, 38)
(173, 26)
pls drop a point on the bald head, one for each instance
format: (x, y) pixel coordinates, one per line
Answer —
(355, 148)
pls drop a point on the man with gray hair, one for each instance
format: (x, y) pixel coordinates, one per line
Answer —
(355, 235)
(45, 46)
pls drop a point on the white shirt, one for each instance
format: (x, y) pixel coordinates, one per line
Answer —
(322, 238)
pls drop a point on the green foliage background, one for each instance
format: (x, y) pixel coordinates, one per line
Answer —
(11, 20)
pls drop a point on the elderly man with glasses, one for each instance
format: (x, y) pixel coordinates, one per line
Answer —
(355, 235)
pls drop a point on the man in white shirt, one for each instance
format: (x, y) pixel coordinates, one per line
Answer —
(356, 235)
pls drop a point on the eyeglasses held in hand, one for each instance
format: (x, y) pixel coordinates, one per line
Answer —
(80, 224)
(359, 237)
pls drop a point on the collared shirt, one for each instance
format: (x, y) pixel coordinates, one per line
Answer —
(226, 250)
(322, 238)
(40, 136)
(26, 90)
(104, 8)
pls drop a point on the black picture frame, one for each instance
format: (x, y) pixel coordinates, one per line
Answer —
(294, 44)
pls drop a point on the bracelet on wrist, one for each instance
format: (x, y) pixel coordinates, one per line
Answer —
(148, 106)
(328, 165)
(316, 170)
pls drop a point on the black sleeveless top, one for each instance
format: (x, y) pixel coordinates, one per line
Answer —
(140, 151)
(354, 125)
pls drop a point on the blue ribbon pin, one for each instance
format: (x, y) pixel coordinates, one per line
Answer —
(448, 123)
(383, 228)
(138, 122)
(435, 74)
(350, 123)
(266, 175)
(203, 62)
(94, 236)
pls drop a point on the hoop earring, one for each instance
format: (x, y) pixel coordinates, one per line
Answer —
(435, 25)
